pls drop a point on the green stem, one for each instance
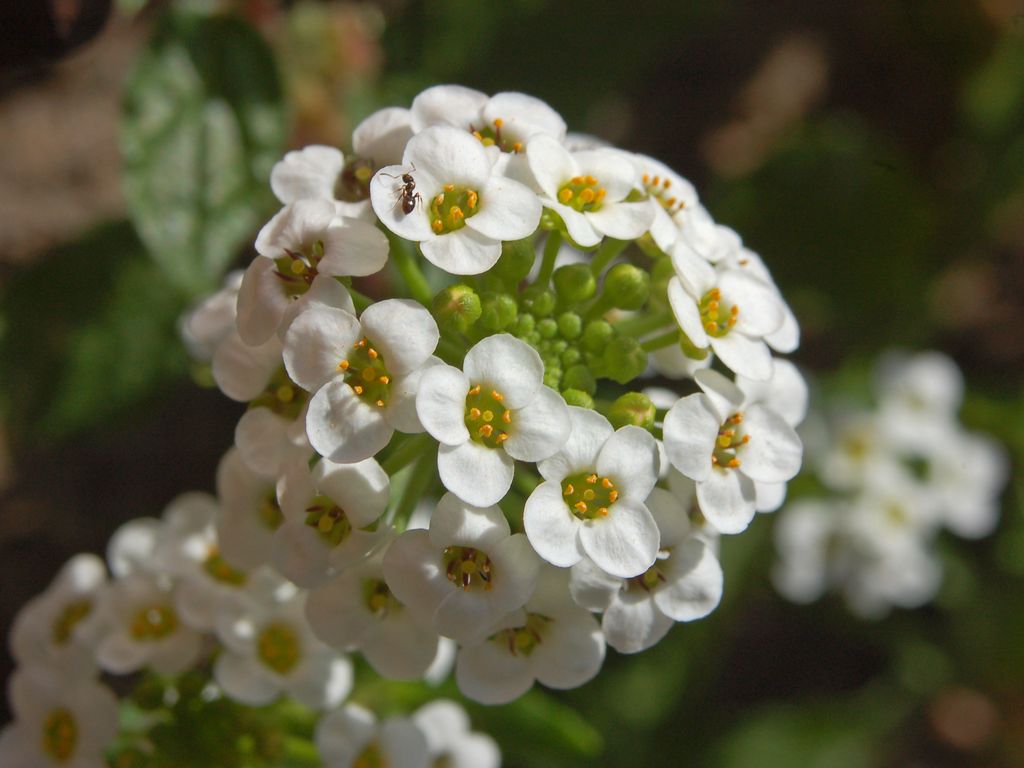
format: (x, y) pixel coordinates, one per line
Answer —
(609, 249)
(660, 342)
(601, 304)
(423, 473)
(547, 264)
(638, 325)
(405, 452)
(404, 257)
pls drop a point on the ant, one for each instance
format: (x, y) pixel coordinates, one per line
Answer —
(407, 193)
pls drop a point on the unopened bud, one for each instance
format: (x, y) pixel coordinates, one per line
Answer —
(570, 326)
(578, 398)
(457, 308)
(579, 377)
(596, 336)
(539, 302)
(623, 359)
(499, 311)
(516, 260)
(627, 287)
(574, 283)
(632, 408)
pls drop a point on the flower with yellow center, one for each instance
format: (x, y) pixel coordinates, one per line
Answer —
(352, 737)
(591, 502)
(489, 414)
(465, 207)
(589, 190)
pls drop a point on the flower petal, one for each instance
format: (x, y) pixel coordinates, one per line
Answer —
(508, 210)
(243, 681)
(687, 314)
(489, 674)
(508, 365)
(360, 488)
(261, 302)
(630, 458)
(441, 404)
(403, 332)
(743, 355)
(386, 195)
(550, 163)
(623, 544)
(551, 527)
(691, 428)
(726, 498)
(478, 475)
(353, 247)
(343, 428)
(774, 452)
(572, 652)
(623, 221)
(693, 585)
(317, 341)
(633, 623)
(540, 428)
(455, 522)
(589, 432)
(242, 371)
(462, 252)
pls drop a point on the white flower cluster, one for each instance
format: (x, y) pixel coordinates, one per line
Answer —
(564, 499)
(899, 474)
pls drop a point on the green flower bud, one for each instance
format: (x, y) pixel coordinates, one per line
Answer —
(552, 376)
(539, 302)
(558, 346)
(571, 356)
(516, 260)
(632, 408)
(570, 326)
(499, 311)
(524, 326)
(579, 377)
(596, 335)
(547, 328)
(578, 398)
(457, 308)
(574, 283)
(627, 287)
(623, 359)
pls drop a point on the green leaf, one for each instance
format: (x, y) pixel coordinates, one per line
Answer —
(204, 123)
(88, 331)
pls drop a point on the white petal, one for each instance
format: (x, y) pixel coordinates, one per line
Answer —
(400, 648)
(696, 275)
(693, 585)
(242, 371)
(774, 452)
(360, 488)
(691, 428)
(625, 543)
(450, 155)
(589, 432)
(261, 438)
(462, 252)
(623, 221)
(508, 210)
(441, 404)
(317, 341)
(506, 364)
(261, 302)
(577, 225)
(242, 680)
(301, 555)
(456, 523)
(382, 136)
(464, 616)
(550, 163)
(337, 612)
(324, 292)
(489, 674)
(516, 570)
(475, 473)
(670, 515)
(412, 567)
(760, 309)
(402, 744)
(454, 105)
(386, 191)
(309, 172)
(540, 428)
(403, 332)
(611, 167)
(523, 116)
(572, 652)
(353, 247)
(400, 411)
(176, 653)
(343, 428)
(118, 654)
(325, 682)
(551, 527)
(769, 496)
(726, 498)
(743, 355)
(592, 588)
(633, 623)
(687, 314)
(630, 458)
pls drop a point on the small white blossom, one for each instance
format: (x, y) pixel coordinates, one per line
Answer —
(250, 513)
(207, 324)
(351, 737)
(450, 741)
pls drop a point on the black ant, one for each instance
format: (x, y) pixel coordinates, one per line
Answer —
(407, 193)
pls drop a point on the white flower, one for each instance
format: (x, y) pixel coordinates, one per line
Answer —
(684, 584)
(59, 628)
(351, 737)
(321, 173)
(364, 373)
(588, 190)
(304, 240)
(787, 338)
(326, 513)
(356, 611)
(967, 472)
(465, 572)
(250, 513)
(669, 194)
(59, 722)
(269, 649)
(145, 628)
(272, 432)
(715, 439)
(804, 535)
(450, 741)
(729, 310)
(381, 138)
(551, 640)
(243, 371)
(918, 398)
(591, 502)
(464, 210)
(494, 411)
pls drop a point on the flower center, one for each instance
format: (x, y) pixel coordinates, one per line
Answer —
(367, 374)
(523, 640)
(329, 520)
(717, 318)
(278, 647)
(582, 193)
(660, 190)
(219, 570)
(468, 567)
(487, 418)
(451, 207)
(378, 599)
(297, 269)
(154, 622)
(282, 396)
(728, 443)
(588, 495)
(68, 619)
(371, 757)
(269, 511)
(491, 136)
(353, 183)
(648, 580)
(60, 735)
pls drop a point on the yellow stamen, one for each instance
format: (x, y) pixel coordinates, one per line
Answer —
(592, 479)
(502, 438)
(564, 195)
(438, 226)
(580, 507)
(568, 490)
(384, 379)
(497, 395)
(343, 365)
(733, 463)
(475, 390)
(486, 430)
(380, 403)
(372, 353)
(357, 389)
(606, 483)
(602, 511)
(474, 414)
(449, 187)
(613, 496)
(507, 417)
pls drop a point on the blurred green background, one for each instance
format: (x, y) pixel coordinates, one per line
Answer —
(872, 152)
